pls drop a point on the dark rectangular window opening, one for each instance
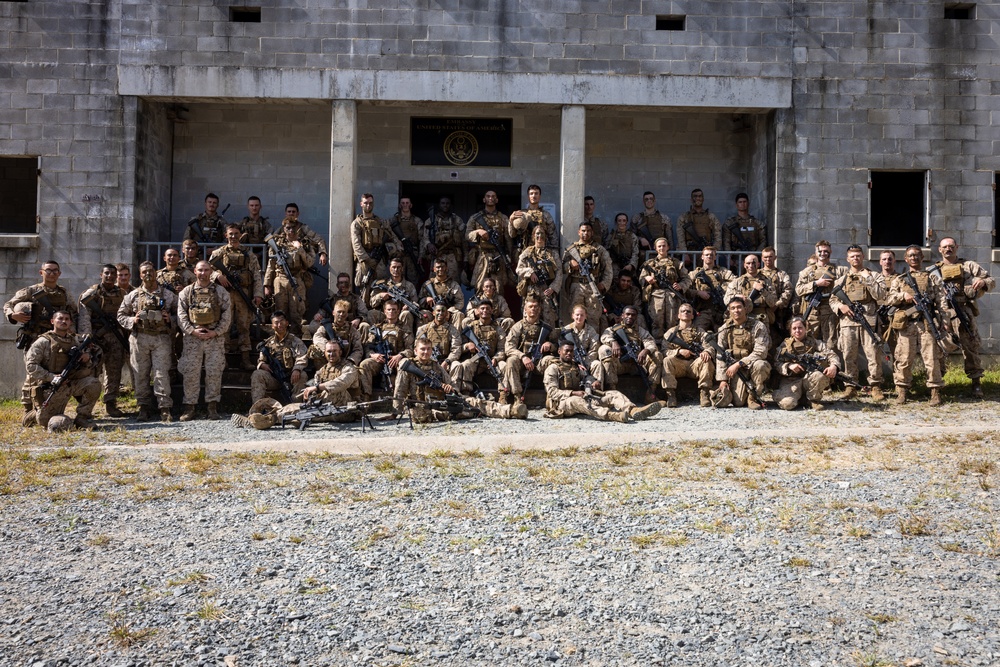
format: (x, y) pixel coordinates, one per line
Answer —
(960, 10)
(19, 194)
(244, 14)
(671, 22)
(897, 201)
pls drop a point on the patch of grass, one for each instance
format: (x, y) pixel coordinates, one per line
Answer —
(99, 540)
(392, 470)
(260, 537)
(914, 525)
(991, 540)
(870, 659)
(373, 538)
(952, 547)
(472, 453)
(796, 561)
(296, 539)
(123, 634)
(209, 611)
(194, 577)
(881, 618)
(978, 466)
(658, 539)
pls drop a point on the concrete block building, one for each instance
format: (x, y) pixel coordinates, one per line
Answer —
(857, 121)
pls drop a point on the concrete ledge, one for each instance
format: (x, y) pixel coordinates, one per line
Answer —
(681, 92)
(18, 240)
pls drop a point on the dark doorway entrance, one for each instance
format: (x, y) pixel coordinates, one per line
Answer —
(466, 198)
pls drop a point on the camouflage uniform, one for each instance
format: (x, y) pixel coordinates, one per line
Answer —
(578, 288)
(694, 224)
(762, 305)
(292, 301)
(208, 308)
(290, 352)
(242, 264)
(913, 334)
(41, 302)
(675, 366)
(561, 379)
(589, 342)
(615, 366)
(784, 292)
(810, 384)
(822, 322)
(254, 231)
(654, 224)
(744, 234)
(501, 311)
(489, 264)
(519, 340)
(446, 339)
(368, 235)
(400, 342)
(213, 229)
(449, 293)
(615, 301)
(380, 295)
(407, 387)
(961, 276)
(151, 350)
(710, 314)
(107, 302)
(749, 344)
(600, 229)
(447, 234)
(662, 304)
(522, 237)
(623, 249)
(490, 335)
(349, 336)
(547, 261)
(334, 383)
(866, 288)
(46, 358)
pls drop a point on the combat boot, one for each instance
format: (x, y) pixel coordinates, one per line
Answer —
(816, 405)
(900, 395)
(246, 363)
(705, 398)
(671, 398)
(935, 397)
(754, 405)
(518, 411)
(111, 407)
(616, 416)
(213, 409)
(165, 416)
(645, 412)
(29, 419)
(977, 388)
(504, 398)
(849, 393)
(145, 414)
(877, 393)
(84, 422)
(188, 413)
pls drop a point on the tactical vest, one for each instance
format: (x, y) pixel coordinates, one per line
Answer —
(654, 223)
(149, 307)
(544, 259)
(806, 346)
(173, 277)
(330, 372)
(372, 233)
(204, 309)
(488, 335)
(741, 341)
(620, 247)
(254, 231)
(393, 334)
(344, 335)
(854, 288)
(701, 224)
(424, 392)
(689, 335)
(529, 334)
(440, 336)
(41, 313)
(59, 349)
(569, 376)
(667, 266)
(282, 352)
(211, 228)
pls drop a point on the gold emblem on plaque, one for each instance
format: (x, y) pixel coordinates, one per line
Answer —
(460, 148)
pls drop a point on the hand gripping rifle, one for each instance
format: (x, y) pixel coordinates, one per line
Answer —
(381, 345)
(484, 353)
(632, 351)
(279, 373)
(106, 321)
(925, 307)
(258, 318)
(73, 362)
(694, 347)
(663, 282)
(282, 260)
(586, 270)
(714, 292)
(815, 299)
(859, 316)
(542, 277)
(397, 294)
(493, 235)
(950, 293)
(377, 254)
(742, 244)
(454, 402)
(642, 231)
(813, 362)
(535, 353)
(439, 300)
(699, 240)
(406, 242)
(742, 372)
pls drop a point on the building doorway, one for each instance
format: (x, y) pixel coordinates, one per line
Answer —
(466, 198)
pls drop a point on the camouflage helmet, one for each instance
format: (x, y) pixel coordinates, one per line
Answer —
(263, 413)
(59, 423)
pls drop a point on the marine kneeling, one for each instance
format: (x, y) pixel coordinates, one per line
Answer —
(428, 390)
(59, 366)
(569, 392)
(807, 368)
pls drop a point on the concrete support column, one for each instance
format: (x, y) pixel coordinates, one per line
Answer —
(343, 183)
(572, 171)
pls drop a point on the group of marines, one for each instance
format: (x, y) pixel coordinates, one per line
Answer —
(380, 338)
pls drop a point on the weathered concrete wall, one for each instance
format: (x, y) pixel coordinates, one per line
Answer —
(153, 169)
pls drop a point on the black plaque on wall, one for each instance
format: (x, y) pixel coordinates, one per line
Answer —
(460, 142)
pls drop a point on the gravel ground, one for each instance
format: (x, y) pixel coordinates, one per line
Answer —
(863, 536)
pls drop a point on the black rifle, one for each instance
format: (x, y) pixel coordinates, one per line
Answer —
(106, 321)
(951, 291)
(397, 294)
(382, 346)
(694, 347)
(535, 354)
(234, 282)
(742, 373)
(432, 226)
(377, 254)
(195, 224)
(741, 241)
(586, 271)
(41, 313)
(279, 373)
(406, 242)
(542, 277)
(313, 270)
(494, 238)
(925, 307)
(579, 356)
(714, 292)
(432, 381)
(282, 260)
(632, 351)
(815, 299)
(315, 408)
(73, 361)
(642, 231)
(813, 362)
(663, 282)
(484, 353)
(613, 307)
(439, 300)
(699, 240)
(859, 316)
